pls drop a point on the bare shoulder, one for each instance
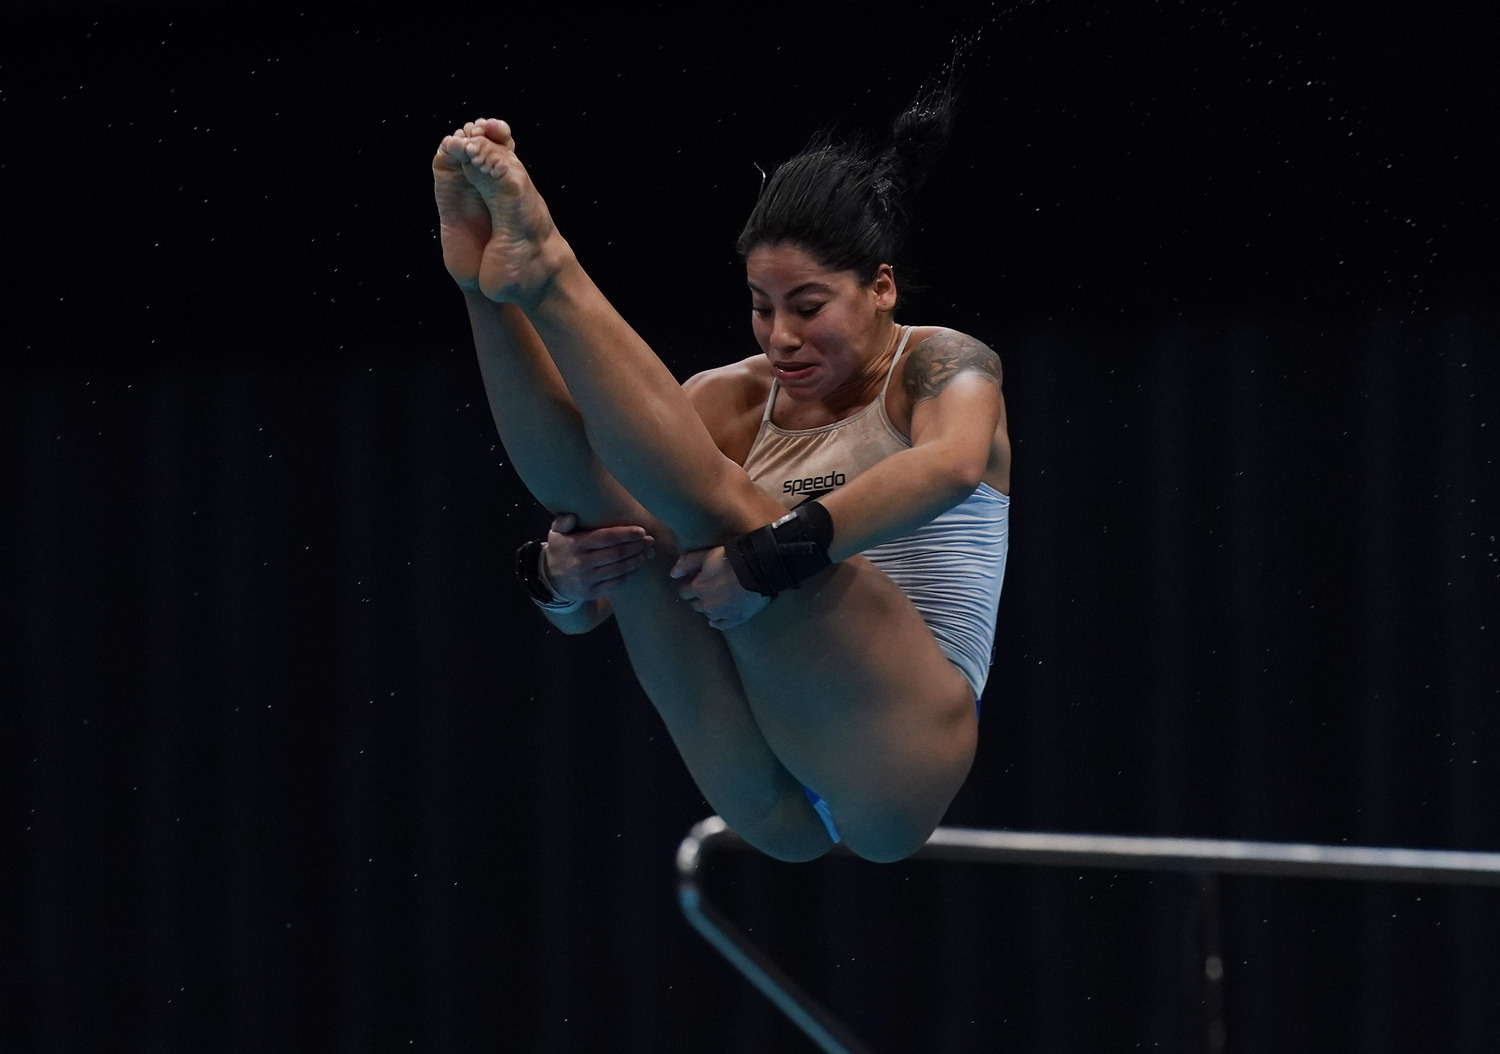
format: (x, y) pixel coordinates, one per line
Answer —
(729, 399)
(939, 356)
(735, 386)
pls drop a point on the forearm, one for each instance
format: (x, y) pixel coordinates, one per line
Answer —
(893, 498)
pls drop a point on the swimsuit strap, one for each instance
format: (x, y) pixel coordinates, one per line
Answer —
(765, 417)
(905, 336)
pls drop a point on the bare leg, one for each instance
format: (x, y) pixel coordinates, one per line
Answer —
(858, 701)
(635, 413)
(843, 678)
(700, 701)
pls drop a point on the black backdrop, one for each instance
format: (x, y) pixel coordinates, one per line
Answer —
(297, 768)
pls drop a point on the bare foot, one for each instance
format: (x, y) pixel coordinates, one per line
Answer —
(463, 217)
(525, 251)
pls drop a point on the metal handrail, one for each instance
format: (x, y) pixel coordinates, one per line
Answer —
(1208, 857)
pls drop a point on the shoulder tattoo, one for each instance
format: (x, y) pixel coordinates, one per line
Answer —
(933, 363)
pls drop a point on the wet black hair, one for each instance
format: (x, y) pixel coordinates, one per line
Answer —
(847, 203)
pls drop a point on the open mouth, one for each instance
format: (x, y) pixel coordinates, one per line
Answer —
(793, 371)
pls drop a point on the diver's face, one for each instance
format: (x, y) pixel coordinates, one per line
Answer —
(820, 329)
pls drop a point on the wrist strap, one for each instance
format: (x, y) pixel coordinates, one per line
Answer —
(532, 571)
(784, 554)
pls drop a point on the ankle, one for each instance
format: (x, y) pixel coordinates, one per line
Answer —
(558, 278)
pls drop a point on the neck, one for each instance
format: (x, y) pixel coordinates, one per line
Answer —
(865, 386)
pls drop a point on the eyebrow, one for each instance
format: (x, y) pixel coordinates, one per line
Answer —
(804, 287)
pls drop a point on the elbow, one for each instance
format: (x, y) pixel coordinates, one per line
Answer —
(948, 491)
(957, 469)
(963, 479)
(949, 486)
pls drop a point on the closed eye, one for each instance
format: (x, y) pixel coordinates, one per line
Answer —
(803, 312)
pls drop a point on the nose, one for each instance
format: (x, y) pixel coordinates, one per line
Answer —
(786, 335)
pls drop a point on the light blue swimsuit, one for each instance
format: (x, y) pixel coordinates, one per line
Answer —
(951, 568)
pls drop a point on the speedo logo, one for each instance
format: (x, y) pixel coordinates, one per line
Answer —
(820, 483)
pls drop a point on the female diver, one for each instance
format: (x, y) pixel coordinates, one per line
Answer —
(818, 669)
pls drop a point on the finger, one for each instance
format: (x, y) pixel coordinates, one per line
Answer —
(606, 559)
(689, 564)
(609, 537)
(604, 562)
(609, 585)
(621, 568)
(564, 522)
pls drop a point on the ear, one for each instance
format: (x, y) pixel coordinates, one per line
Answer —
(884, 288)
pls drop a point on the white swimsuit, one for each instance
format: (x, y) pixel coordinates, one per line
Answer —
(950, 568)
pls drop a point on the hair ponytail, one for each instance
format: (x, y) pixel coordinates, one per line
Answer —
(918, 137)
(847, 205)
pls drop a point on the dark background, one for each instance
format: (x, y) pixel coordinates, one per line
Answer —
(296, 766)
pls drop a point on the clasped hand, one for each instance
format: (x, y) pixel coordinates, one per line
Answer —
(710, 584)
(589, 564)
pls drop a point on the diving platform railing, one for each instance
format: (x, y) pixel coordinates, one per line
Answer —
(1204, 858)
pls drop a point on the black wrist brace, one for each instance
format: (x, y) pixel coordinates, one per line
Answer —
(784, 554)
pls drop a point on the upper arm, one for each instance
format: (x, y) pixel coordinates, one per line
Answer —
(952, 384)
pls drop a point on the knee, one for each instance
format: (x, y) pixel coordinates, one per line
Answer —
(784, 833)
(884, 828)
(791, 848)
(887, 843)
(884, 832)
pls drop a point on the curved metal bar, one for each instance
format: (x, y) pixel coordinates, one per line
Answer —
(1192, 855)
(804, 1011)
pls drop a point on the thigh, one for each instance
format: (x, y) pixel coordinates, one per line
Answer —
(686, 670)
(856, 698)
